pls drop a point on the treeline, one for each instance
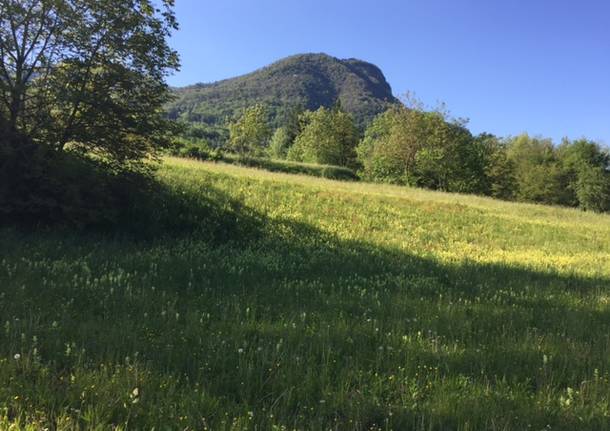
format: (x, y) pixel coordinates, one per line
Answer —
(427, 149)
(415, 147)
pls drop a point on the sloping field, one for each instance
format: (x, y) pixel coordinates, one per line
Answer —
(254, 301)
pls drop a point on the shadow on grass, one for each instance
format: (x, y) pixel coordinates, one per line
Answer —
(278, 315)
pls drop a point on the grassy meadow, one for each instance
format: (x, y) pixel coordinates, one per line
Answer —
(250, 300)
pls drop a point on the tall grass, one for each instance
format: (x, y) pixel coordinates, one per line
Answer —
(195, 152)
(289, 302)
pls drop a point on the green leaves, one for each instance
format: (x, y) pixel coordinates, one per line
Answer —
(414, 147)
(593, 189)
(88, 74)
(574, 173)
(280, 143)
(328, 136)
(249, 133)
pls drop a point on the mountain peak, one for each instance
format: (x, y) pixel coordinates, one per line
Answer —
(308, 80)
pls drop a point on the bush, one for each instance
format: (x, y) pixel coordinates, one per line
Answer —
(338, 173)
(323, 171)
(199, 151)
(41, 186)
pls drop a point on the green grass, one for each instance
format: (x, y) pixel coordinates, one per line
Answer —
(333, 172)
(292, 302)
(289, 167)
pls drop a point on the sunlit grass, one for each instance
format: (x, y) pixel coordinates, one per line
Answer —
(301, 303)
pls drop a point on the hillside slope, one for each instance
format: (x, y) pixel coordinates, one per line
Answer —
(308, 80)
(275, 301)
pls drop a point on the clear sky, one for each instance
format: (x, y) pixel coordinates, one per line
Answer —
(541, 66)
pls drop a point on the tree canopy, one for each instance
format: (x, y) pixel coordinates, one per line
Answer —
(414, 147)
(82, 90)
(87, 74)
(328, 136)
(427, 149)
(250, 133)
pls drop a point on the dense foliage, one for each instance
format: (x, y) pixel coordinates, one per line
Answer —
(41, 185)
(85, 80)
(327, 136)
(575, 173)
(249, 134)
(417, 148)
(426, 149)
(280, 144)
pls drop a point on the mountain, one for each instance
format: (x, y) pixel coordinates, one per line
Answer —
(307, 81)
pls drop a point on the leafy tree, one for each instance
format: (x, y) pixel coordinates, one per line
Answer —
(328, 136)
(593, 189)
(539, 176)
(280, 143)
(585, 166)
(499, 177)
(88, 74)
(81, 96)
(449, 160)
(249, 134)
(415, 147)
(391, 144)
(382, 158)
(292, 122)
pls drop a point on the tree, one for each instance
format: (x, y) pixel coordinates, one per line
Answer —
(381, 157)
(292, 122)
(449, 159)
(499, 176)
(328, 136)
(249, 134)
(88, 75)
(414, 147)
(81, 96)
(539, 176)
(280, 143)
(585, 167)
(593, 189)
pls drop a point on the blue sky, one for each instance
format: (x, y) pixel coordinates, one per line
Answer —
(510, 66)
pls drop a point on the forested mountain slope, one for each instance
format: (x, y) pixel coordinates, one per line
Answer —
(307, 81)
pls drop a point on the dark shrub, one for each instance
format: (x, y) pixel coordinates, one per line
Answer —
(195, 151)
(40, 186)
(324, 171)
(338, 173)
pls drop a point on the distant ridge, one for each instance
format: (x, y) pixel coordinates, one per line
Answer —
(306, 80)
